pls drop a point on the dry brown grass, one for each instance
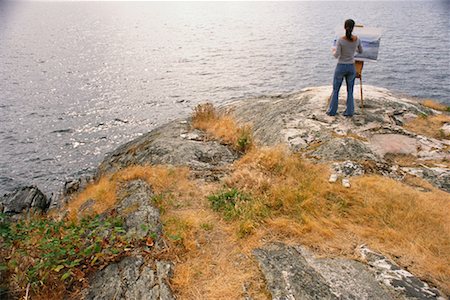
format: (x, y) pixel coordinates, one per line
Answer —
(434, 105)
(223, 127)
(389, 216)
(214, 264)
(164, 180)
(429, 125)
(289, 200)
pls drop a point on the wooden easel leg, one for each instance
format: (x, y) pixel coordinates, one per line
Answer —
(361, 91)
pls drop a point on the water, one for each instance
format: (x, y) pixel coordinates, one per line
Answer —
(79, 78)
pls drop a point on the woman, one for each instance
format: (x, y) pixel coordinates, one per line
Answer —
(346, 47)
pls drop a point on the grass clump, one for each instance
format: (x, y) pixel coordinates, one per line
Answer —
(429, 125)
(228, 202)
(223, 127)
(435, 105)
(42, 254)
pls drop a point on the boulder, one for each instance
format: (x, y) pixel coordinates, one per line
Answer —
(170, 144)
(130, 279)
(135, 277)
(22, 200)
(135, 206)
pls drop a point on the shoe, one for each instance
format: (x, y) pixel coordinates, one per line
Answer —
(333, 178)
(346, 182)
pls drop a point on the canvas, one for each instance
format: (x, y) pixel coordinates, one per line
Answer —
(370, 40)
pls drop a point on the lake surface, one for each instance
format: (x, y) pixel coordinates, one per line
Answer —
(79, 78)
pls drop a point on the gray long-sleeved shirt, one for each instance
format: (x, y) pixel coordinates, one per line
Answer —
(345, 50)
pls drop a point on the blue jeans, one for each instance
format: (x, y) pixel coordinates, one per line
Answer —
(348, 72)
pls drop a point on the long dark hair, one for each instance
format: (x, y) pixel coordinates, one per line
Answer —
(349, 25)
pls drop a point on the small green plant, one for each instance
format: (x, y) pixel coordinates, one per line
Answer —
(41, 250)
(423, 115)
(228, 202)
(245, 139)
(207, 226)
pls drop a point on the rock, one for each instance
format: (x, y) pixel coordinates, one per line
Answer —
(344, 149)
(445, 129)
(131, 278)
(403, 282)
(165, 145)
(288, 275)
(292, 273)
(299, 121)
(348, 168)
(438, 176)
(164, 271)
(393, 144)
(195, 135)
(23, 200)
(142, 219)
(73, 186)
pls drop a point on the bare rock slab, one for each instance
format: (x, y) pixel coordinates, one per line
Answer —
(402, 281)
(169, 145)
(292, 272)
(289, 276)
(132, 279)
(393, 143)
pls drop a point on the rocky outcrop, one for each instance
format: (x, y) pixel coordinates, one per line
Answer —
(351, 146)
(299, 121)
(174, 144)
(401, 281)
(130, 279)
(292, 272)
(23, 200)
(135, 277)
(141, 217)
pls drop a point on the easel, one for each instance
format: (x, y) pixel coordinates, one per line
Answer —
(359, 66)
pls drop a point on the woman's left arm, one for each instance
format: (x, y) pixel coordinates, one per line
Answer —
(360, 48)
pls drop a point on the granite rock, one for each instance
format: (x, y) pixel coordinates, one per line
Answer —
(23, 200)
